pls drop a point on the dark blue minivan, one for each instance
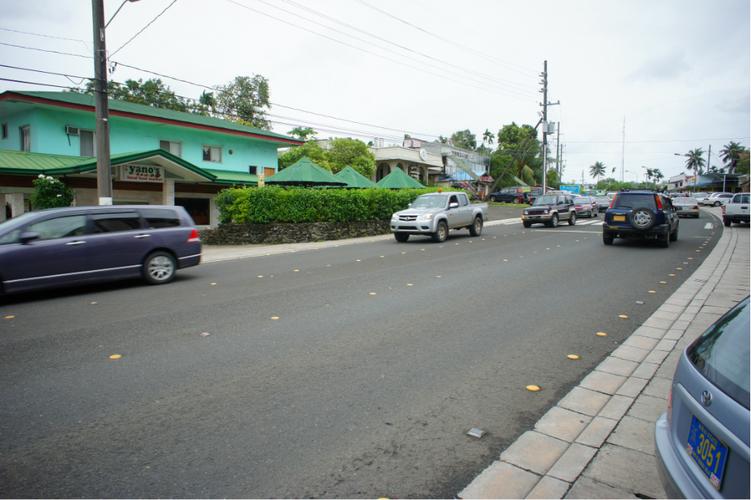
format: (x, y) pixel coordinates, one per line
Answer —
(75, 245)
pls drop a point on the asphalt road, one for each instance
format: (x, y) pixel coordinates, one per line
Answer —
(382, 357)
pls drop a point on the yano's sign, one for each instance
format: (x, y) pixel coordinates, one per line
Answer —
(141, 173)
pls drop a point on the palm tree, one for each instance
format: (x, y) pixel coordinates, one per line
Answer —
(695, 161)
(597, 170)
(657, 175)
(730, 155)
(487, 136)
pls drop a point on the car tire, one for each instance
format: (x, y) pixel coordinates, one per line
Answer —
(159, 268)
(674, 234)
(527, 224)
(476, 228)
(572, 219)
(607, 238)
(553, 221)
(442, 232)
(642, 219)
(717, 204)
(727, 222)
(401, 237)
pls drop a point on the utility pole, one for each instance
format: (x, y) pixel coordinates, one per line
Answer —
(544, 125)
(623, 148)
(558, 150)
(103, 173)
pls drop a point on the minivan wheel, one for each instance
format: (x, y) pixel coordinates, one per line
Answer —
(159, 268)
(442, 232)
(476, 228)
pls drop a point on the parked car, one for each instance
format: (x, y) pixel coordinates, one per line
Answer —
(736, 210)
(506, 197)
(603, 202)
(550, 209)
(700, 196)
(640, 214)
(686, 207)
(585, 206)
(716, 199)
(702, 440)
(65, 246)
(434, 214)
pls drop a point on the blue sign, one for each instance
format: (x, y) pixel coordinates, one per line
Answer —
(570, 188)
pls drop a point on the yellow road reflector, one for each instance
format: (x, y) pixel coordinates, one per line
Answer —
(9, 316)
(212, 284)
(505, 260)
(671, 274)
(116, 356)
(404, 253)
(93, 302)
(381, 256)
(698, 251)
(275, 318)
(533, 388)
(295, 270)
(371, 293)
(663, 282)
(259, 276)
(690, 258)
(410, 284)
(623, 316)
(438, 276)
(601, 334)
(679, 269)
(651, 291)
(358, 260)
(422, 249)
(573, 357)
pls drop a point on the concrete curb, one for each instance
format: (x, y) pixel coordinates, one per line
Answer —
(597, 441)
(220, 253)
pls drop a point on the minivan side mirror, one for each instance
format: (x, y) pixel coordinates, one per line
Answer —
(27, 237)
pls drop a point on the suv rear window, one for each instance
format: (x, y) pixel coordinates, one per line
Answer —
(160, 217)
(721, 354)
(634, 200)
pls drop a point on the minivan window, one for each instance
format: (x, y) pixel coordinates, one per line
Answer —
(158, 217)
(634, 201)
(721, 354)
(59, 227)
(112, 223)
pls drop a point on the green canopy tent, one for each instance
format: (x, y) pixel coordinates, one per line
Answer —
(354, 179)
(304, 172)
(398, 179)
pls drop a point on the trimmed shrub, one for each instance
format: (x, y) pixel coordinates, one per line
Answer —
(50, 193)
(294, 205)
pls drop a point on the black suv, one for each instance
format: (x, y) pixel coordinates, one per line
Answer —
(641, 214)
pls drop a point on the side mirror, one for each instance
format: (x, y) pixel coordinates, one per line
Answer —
(28, 237)
(453, 204)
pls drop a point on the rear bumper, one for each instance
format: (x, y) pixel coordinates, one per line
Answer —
(736, 217)
(673, 476)
(189, 260)
(630, 232)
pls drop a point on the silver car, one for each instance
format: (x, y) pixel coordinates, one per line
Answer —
(702, 441)
(686, 207)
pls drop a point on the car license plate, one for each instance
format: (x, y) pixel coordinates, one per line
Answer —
(707, 451)
(619, 218)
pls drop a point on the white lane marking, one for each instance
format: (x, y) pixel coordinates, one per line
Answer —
(564, 231)
(587, 223)
(708, 225)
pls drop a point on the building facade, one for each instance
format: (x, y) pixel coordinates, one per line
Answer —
(159, 156)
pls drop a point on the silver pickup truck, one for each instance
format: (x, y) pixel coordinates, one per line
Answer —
(435, 213)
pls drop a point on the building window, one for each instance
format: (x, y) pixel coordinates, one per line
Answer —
(25, 138)
(252, 169)
(212, 154)
(88, 142)
(176, 148)
(5, 130)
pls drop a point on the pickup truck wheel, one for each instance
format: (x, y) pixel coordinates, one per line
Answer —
(572, 219)
(442, 232)
(527, 224)
(401, 237)
(553, 221)
(476, 228)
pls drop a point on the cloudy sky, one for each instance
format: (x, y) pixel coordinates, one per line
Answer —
(677, 71)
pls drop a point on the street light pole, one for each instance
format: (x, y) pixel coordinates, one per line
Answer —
(103, 172)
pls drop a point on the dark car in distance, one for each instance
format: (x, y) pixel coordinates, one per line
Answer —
(702, 441)
(75, 245)
(641, 214)
(506, 197)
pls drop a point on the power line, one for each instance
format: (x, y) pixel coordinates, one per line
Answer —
(142, 29)
(519, 68)
(50, 51)
(26, 82)
(43, 35)
(122, 4)
(657, 140)
(512, 84)
(67, 75)
(367, 51)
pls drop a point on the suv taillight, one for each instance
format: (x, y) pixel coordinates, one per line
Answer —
(194, 236)
(612, 202)
(658, 201)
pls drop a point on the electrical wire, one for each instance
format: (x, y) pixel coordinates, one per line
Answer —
(43, 35)
(142, 29)
(50, 51)
(122, 4)
(26, 82)
(67, 75)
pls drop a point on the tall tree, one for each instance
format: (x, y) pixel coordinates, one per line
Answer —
(351, 152)
(303, 133)
(657, 175)
(597, 170)
(464, 139)
(152, 92)
(246, 100)
(695, 161)
(487, 137)
(517, 155)
(730, 154)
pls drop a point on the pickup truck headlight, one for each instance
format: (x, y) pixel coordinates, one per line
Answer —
(426, 217)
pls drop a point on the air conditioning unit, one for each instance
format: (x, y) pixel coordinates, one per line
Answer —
(72, 130)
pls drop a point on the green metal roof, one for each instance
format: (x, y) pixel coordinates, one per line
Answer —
(305, 172)
(79, 99)
(398, 179)
(229, 177)
(354, 179)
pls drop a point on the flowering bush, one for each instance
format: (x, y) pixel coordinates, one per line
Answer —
(50, 193)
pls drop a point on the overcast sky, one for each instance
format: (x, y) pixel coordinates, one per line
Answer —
(676, 70)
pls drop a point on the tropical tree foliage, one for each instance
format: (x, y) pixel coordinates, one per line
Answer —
(463, 139)
(695, 160)
(517, 155)
(151, 92)
(341, 153)
(245, 99)
(50, 193)
(303, 133)
(731, 155)
(597, 170)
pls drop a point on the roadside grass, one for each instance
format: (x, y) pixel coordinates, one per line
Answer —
(505, 204)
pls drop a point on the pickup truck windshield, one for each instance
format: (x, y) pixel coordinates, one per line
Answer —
(432, 201)
(546, 200)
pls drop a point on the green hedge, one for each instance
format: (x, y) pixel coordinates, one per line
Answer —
(278, 204)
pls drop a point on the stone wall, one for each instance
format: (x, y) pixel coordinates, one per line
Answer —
(243, 234)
